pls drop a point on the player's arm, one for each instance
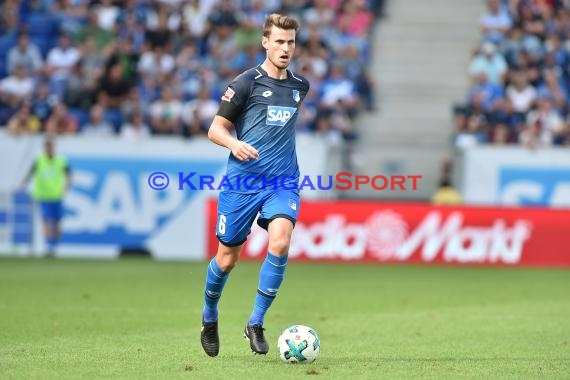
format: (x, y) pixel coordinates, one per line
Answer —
(219, 133)
(231, 107)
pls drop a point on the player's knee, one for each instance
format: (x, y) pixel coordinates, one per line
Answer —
(227, 262)
(227, 259)
(279, 245)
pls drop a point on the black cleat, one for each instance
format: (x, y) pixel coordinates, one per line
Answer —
(209, 338)
(256, 339)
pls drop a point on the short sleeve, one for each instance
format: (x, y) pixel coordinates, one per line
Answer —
(234, 99)
(237, 92)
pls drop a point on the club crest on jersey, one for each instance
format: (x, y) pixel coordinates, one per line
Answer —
(279, 116)
(292, 204)
(296, 96)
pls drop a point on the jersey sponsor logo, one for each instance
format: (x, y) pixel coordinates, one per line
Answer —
(228, 95)
(267, 94)
(279, 116)
(296, 95)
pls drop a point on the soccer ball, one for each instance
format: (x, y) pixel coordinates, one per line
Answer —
(299, 344)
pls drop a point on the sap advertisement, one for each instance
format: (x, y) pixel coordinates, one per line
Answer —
(131, 195)
(516, 177)
(112, 204)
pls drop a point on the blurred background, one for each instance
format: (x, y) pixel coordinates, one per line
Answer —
(472, 95)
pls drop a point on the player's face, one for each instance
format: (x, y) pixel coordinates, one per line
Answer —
(49, 148)
(280, 47)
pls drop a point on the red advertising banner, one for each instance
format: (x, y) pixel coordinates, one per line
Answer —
(418, 233)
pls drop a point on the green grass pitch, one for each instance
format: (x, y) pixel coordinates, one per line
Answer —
(140, 319)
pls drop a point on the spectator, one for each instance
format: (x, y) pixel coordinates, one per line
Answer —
(496, 22)
(93, 29)
(16, 88)
(354, 19)
(8, 17)
(550, 120)
(195, 17)
(70, 14)
(325, 129)
(161, 24)
(125, 55)
(133, 103)
(60, 62)
(156, 62)
(535, 136)
(25, 54)
(553, 86)
(60, 122)
(78, 92)
(132, 29)
(473, 134)
(321, 16)
(135, 129)
(484, 93)
(107, 15)
(338, 92)
(501, 135)
(131, 51)
(113, 89)
(491, 63)
(166, 114)
(197, 114)
(521, 93)
(43, 102)
(23, 122)
(97, 126)
(92, 61)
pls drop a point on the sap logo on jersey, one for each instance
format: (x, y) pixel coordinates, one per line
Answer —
(541, 186)
(279, 116)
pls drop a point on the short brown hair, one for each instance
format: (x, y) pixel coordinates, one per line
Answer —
(281, 22)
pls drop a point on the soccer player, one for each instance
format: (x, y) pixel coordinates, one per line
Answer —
(51, 180)
(262, 104)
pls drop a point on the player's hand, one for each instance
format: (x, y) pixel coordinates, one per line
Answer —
(243, 151)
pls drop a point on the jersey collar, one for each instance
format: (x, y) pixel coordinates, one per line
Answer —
(262, 71)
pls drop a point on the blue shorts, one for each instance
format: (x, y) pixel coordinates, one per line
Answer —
(237, 211)
(52, 210)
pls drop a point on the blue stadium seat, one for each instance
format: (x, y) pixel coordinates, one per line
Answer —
(6, 43)
(40, 25)
(44, 43)
(5, 114)
(80, 115)
(115, 117)
(3, 68)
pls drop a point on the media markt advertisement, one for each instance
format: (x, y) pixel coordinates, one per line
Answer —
(414, 233)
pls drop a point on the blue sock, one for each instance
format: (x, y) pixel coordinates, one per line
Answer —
(215, 280)
(270, 278)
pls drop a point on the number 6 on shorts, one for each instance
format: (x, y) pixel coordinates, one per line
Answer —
(222, 224)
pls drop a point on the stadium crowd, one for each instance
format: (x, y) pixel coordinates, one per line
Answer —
(520, 77)
(137, 68)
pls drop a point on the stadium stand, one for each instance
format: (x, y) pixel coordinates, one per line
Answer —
(155, 67)
(520, 77)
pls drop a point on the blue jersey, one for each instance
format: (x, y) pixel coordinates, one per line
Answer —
(264, 112)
